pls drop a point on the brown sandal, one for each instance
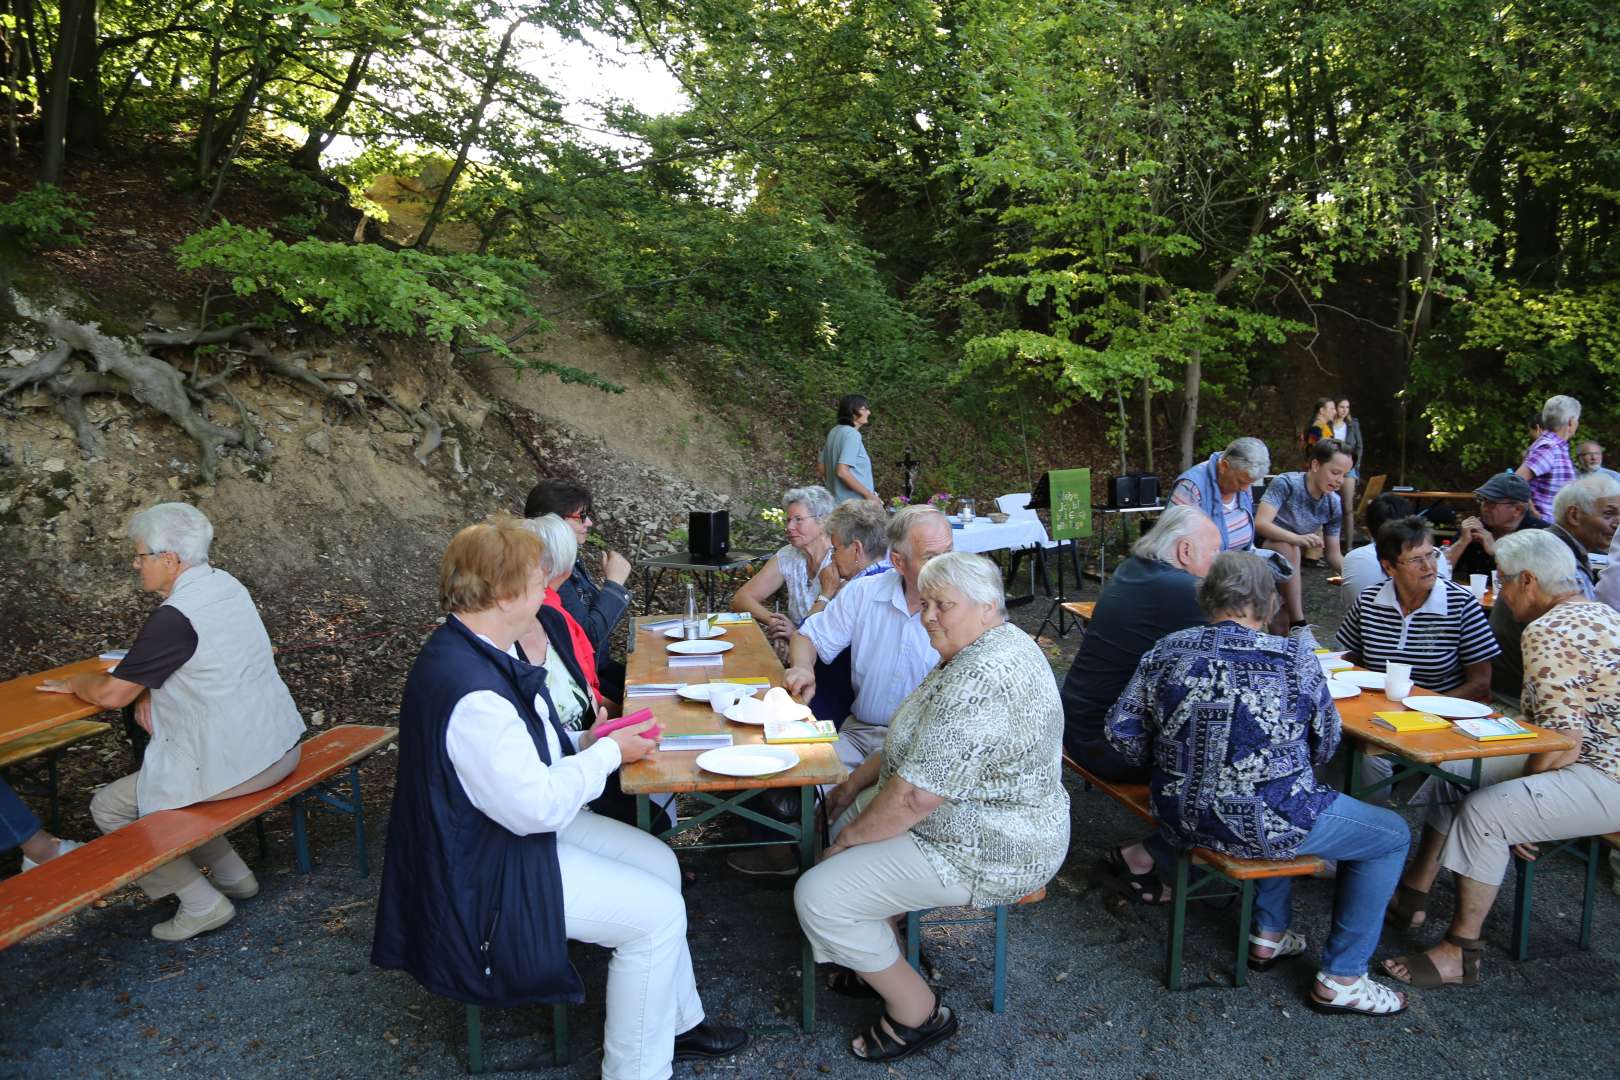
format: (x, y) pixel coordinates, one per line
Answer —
(1408, 903)
(1423, 975)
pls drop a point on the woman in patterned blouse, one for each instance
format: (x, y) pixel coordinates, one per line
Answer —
(1232, 720)
(963, 805)
(1571, 685)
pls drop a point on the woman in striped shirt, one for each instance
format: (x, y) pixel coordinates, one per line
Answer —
(1420, 618)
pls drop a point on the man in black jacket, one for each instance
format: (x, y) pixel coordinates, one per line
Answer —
(596, 607)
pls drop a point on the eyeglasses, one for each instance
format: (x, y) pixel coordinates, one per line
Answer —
(139, 555)
(580, 516)
(799, 519)
(1432, 555)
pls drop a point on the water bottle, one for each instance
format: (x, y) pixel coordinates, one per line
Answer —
(691, 628)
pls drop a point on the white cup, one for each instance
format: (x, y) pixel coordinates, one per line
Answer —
(722, 698)
(1476, 585)
(1397, 681)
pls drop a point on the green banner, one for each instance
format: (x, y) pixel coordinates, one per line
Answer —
(1071, 503)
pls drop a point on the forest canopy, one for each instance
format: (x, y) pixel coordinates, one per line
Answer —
(1132, 202)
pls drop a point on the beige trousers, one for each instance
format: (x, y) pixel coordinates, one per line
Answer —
(114, 806)
(846, 902)
(1576, 800)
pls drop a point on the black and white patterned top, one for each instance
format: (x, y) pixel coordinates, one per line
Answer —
(984, 730)
(1448, 631)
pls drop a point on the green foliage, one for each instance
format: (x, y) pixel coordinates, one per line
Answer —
(455, 299)
(44, 216)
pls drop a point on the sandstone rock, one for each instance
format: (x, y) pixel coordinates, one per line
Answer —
(53, 465)
(319, 443)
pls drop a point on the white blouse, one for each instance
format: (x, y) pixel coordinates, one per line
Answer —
(803, 584)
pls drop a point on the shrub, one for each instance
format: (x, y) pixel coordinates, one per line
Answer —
(44, 217)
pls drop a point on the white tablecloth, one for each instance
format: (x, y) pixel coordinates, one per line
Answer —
(985, 535)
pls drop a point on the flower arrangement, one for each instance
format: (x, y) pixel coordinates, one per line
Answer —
(941, 501)
(898, 502)
(774, 515)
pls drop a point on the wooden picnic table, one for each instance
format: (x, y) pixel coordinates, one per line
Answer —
(751, 656)
(1433, 496)
(25, 710)
(1423, 751)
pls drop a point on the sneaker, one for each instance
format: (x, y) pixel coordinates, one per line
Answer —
(773, 860)
(62, 848)
(183, 927)
(244, 889)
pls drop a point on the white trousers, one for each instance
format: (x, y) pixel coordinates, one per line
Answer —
(622, 890)
(858, 741)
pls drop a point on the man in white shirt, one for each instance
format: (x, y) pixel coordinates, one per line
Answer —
(877, 619)
(1361, 566)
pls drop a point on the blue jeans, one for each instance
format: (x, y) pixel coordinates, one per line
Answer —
(1370, 845)
(17, 822)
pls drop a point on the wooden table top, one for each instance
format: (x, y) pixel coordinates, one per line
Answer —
(25, 710)
(676, 770)
(1437, 496)
(1433, 747)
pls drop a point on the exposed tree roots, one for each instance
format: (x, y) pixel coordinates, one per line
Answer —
(127, 367)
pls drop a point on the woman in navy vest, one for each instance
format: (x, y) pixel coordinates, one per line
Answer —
(494, 860)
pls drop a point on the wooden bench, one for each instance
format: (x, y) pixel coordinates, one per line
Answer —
(915, 921)
(1081, 609)
(1589, 850)
(1214, 868)
(31, 901)
(36, 758)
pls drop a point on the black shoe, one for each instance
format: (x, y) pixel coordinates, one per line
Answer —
(710, 1039)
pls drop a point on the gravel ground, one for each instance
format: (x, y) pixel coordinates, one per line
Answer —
(287, 990)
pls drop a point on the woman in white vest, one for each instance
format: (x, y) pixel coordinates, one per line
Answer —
(204, 685)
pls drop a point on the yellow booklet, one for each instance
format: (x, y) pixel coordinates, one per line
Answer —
(749, 680)
(1407, 721)
(795, 731)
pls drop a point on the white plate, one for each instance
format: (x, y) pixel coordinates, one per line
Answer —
(701, 691)
(698, 648)
(1367, 680)
(747, 711)
(747, 760)
(679, 633)
(1343, 689)
(1330, 663)
(1452, 708)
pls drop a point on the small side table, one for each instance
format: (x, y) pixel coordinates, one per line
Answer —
(653, 571)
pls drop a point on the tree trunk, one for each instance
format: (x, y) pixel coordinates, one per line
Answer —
(1147, 425)
(12, 58)
(475, 122)
(320, 137)
(53, 151)
(1189, 412)
(84, 128)
(205, 125)
(1401, 301)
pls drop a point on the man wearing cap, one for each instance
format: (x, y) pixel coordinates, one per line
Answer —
(1504, 507)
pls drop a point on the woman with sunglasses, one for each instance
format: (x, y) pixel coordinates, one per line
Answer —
(597, 607)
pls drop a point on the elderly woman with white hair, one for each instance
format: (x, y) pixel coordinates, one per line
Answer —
(1222, 488)
(557, 643)
(1547, 464)
(203, 681)
(796, 566)
(1232, 721)
(963, 805)
(1571, 685)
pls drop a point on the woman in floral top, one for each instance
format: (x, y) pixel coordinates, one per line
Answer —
(964, 804)
(1231, 721)
(1572, 686)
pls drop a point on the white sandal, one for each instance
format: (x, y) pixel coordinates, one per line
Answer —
(1290, 944)
(1362, 997)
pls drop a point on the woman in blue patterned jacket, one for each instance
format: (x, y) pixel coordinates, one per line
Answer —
(1232, 720)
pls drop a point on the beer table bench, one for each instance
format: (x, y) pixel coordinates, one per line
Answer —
(35, 725)
(31, 901)
(1212, 868)
(751, 656)
(1425, 752)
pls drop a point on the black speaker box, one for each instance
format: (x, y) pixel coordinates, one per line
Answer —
(1133, 489)
(708, 534)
